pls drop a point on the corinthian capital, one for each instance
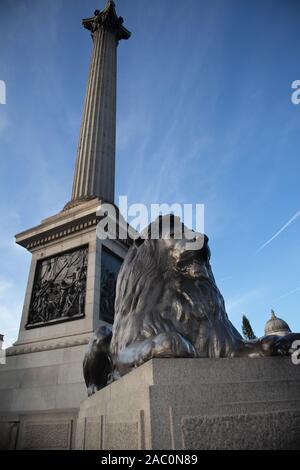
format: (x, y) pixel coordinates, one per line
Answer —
(109, 20)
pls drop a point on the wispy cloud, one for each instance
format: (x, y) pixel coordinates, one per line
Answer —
(293, 219)
(287, 294)
(241, 301)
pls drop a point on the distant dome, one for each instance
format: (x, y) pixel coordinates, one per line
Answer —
(276, 326)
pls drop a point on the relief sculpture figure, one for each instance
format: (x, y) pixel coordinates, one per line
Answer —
(59, 288)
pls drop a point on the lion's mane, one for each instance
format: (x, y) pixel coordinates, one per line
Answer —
(154, 297)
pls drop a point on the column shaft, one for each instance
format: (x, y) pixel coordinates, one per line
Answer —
(95, 165)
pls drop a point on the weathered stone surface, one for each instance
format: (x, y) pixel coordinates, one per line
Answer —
(239, 403)
(121, 436)
(38, 431)
(46, 435)
(94, 433)
(273, 431)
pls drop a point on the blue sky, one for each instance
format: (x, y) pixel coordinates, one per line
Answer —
(204, 116)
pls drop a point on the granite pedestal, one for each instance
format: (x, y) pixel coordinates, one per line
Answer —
(196, 404)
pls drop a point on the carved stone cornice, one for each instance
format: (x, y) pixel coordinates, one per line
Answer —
(65, 223)
(57, 233)
(61, 232)
(109, 20)
(32, 348)
(79, 218)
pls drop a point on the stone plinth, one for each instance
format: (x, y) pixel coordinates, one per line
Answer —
(196, 404)
(41, 384)
(69, 230)
(40, 394)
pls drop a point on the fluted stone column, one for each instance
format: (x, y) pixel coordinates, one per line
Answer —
(95, 165)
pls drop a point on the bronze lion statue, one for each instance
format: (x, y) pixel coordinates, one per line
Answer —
(168, 305)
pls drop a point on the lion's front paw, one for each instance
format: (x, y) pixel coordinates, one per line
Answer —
(162, 345)
(285, 345)
(172, 345)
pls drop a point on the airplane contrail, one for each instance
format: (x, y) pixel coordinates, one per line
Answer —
(289, 293)
(280, 231)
